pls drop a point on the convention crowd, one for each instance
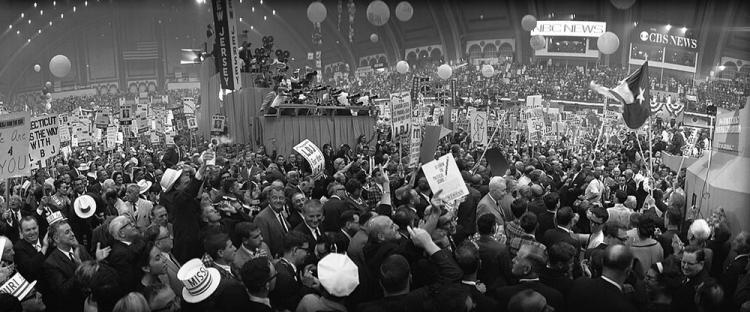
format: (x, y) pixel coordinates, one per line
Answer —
(236, 228)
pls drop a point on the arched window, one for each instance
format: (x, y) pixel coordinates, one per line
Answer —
(730, 70)
(505, 51)
(490, 50)
(362, 62)
(382, 59)
(436, 55)
(373, 61)
(475, 52)
(411, 58)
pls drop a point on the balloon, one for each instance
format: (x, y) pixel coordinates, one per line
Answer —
(608, 43)
(538, 42)
(37, 68)
(59, 65)
(404, 11)
(528, 22)
(316, 12)
(48, 84)
(487, 70)
(402, 67)
(378, 13)
(623, 4)
(445, 71)
(374, 38)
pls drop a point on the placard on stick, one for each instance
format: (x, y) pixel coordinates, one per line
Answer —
(448, 180)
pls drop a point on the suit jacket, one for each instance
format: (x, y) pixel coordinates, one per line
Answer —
(484, 303)
(596, 294)
(10, 230)
(289, 290)
(555, 235)
(302, 228)
(294, 219)
(546, 221)
(185, 209)
(61, 290)
(332, 210)
(126, 261)
(28, 261)
(272, 231)
(554, 297)
(496, 262)
(243, 255)
(467, 218)
(488, 205)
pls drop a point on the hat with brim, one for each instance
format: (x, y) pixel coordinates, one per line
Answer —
(200, 282)
(83, 167)
(169, 178)
(85, 206)
(18, 287)
(143, 185)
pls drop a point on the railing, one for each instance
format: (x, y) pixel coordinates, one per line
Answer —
(313, 110)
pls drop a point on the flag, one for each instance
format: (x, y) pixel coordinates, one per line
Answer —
(633, 93)
(144, 50)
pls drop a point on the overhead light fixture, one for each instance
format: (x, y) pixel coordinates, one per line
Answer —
(240, 19)
(28, 40)
(669, 26)
(85, 3)
(18, 32)
(252, 9)
(41, 12)
(29, 21)
(22, 15)
(50, 23)
(39, 31)
(265, 17)
(74, 8)
(62, 15)
(684, 29)
(10, 26)
(35, 4)
(54, 3)
(273, 12)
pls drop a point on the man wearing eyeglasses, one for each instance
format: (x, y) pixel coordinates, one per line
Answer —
(127, 250)
(694, 274)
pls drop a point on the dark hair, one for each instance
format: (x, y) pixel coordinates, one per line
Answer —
(564, 216)
(618, 257)
(528, 222)
(621, 196)
(145, 256)
(451, 298)
(352, 185)
(486, 224)
(700, 254)
(560, 254)
(467, 257)
(646, 226)
(519, 207)
(674, 215)
(215, 242)
(404, 217)
(394, 273)
(612, 229)
(348, 216)
(255, 273)
(227, 185)
(551, 200)
(294, 239)
(243, 229)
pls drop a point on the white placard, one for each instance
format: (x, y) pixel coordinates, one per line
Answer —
(400, 113)
(478, 125)
(14, 145)
(415, 147)
(449, 181)
(44, 141)
(314, 156)
(217, 123)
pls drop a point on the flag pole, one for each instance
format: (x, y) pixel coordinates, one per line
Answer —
(651, 156)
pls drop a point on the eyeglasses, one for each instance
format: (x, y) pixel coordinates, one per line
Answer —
(164, 237)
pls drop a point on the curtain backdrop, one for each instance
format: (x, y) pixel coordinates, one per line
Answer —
(247, 126)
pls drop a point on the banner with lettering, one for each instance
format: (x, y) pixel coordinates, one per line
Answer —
(44, 141)
(443, 175)
(400, 113)
(227, 45)
(415, 146)
(478, 125)
(217, 123)
(314, 156)
(14, 145)
(101, 119)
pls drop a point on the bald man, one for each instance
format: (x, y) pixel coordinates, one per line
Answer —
(605, 293)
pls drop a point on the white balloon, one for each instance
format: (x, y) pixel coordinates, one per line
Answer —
(378, 13)
(445, 71)
(608, 43)
(316, 12)
(37, 68)
(402, 67)
(538, 42)
(59, 66)
(528, 22)
(488, 70)
(374, 38)
(404, 11)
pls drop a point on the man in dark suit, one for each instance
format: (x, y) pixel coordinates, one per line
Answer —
(334, 207)
(546, 218)
(173, 155)
(272, 221)
(30, 251)
(468, 259)
(565, 219)
(736, 268)
(605, 293)
(258, 277)
(9, 225)
(185, 209)
(630, 186)
(222, 251)
(495, 256)
(295, 214)
(127, 252)
(62, 292)
(310, 227)
(289, 290)
(526, 267)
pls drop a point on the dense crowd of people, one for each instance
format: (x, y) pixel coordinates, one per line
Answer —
(232, 228)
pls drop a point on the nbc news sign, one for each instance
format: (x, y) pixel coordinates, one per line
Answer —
(569, 29)
(666, 39)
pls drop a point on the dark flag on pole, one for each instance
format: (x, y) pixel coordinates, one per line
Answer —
(633, 93)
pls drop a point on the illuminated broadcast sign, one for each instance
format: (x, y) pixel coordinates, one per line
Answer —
(569, 28)
(666, 39)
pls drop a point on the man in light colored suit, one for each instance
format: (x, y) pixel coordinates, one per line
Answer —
(136, 207)
(272, 221)
(490, 202)
(251, 244)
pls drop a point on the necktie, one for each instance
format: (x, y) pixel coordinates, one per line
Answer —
(317, 234)
(72, 257)
(283, 224)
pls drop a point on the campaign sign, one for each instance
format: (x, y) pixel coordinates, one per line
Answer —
(14, 145)
(313, 155)
(44, 141)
